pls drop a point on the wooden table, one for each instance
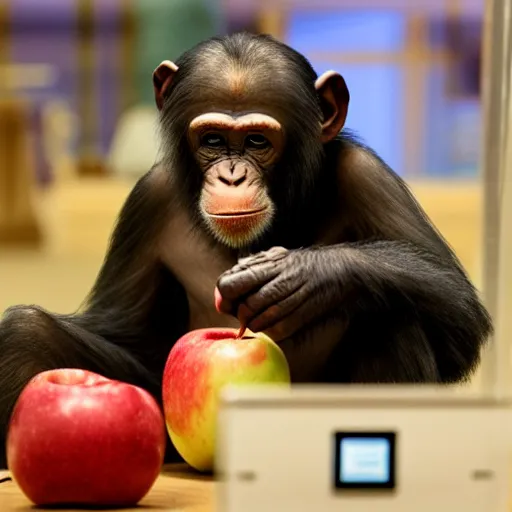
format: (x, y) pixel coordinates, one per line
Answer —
(177, 489)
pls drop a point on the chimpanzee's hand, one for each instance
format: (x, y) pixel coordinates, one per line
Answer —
(281, 292)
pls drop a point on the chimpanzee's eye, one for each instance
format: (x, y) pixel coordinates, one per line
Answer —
(256, 140)
(212, 140)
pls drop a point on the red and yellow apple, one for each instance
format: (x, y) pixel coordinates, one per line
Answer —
(199, 365)
(76, 437)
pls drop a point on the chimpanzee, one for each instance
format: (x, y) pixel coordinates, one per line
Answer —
(262, 198)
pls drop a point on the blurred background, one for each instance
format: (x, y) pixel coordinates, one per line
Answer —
(77, 118)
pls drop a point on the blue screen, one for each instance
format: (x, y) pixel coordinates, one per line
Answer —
(365, 460)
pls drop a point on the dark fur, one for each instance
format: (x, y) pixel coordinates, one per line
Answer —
(288, 81)
(413, 314)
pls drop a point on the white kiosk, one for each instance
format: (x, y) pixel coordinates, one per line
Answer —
(394, 448)
(364, 449)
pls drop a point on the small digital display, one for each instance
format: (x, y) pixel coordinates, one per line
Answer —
(364, 460)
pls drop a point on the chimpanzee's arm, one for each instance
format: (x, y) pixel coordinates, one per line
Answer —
(417, 315)
(413, 316)
(410, 314)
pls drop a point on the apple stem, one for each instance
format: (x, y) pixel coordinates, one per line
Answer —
(241, 331)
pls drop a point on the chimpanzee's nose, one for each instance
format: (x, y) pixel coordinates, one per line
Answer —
(233, 177)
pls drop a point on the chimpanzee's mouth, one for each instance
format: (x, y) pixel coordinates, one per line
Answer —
(248, 213)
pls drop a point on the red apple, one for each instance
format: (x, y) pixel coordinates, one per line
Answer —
(76, 437)
(199, 365)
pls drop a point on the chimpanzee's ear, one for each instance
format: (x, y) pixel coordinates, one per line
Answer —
(162, 79)
(334, 97)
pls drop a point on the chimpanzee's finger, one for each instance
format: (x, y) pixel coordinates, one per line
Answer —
(272, 317)
(273, 254)
(291, 324)
(223, 305)
(276, 291)
(235, 285)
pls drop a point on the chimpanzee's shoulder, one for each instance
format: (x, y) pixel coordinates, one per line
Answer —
(157, 179)
(353, 155)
